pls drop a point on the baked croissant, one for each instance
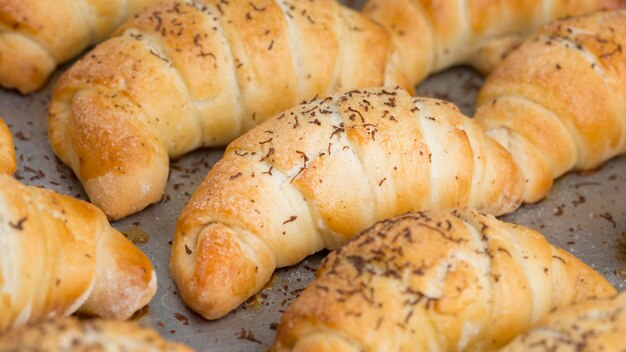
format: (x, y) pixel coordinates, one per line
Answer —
(432, 35)
(36, 35)
(60, 255)
(187, 74)
(594, 325)
(557, 103)
(7, 150)
(71, 334)
(317, 174)
(435, 281)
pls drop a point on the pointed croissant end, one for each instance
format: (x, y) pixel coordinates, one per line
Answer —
(125, 280)
(121, 161)
(217, 268)
(26, 65)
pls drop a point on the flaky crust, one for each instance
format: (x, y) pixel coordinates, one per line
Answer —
(70, 334)
(193, 73)
(557, 103)
(435, 281)
(36, 36)
(60, 255)
(7, 150)
(432, 35)
(592, 326)
(317, 174)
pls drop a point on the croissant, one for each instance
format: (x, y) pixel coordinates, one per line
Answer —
(594, 325)
(7, 150)
(36, 36)
(556, 103)
(87, 335)
(432, 35)
(187, 74)
(60, 255)
(317, 174)
(453, 280)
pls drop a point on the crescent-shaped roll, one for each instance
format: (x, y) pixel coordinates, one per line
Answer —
(71, 334)
(452, 280)
(38, 35)
(7, 150)
(594, 325)
(558, 102)
(59, 255)
(316, 175)
(195, 73)
(432, 35)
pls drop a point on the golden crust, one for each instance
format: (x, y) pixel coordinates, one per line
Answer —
(334, 164)
(112, 153)
(326, 169)
(432, 35)
(7, 150)
(547, 108)
(36, 36)
(182, 75)
(594, 325)
(60, 254)
(441, 280)
(315, 175)
(86, 335)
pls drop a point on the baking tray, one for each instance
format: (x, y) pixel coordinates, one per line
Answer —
(585, 213)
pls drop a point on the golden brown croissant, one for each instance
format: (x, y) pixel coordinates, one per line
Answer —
(453, 280)
(60, 255)
(7, 150)
(317, 174)
(71, 334)
(36, 35)
(557, 103)
(187, 74)
(594, 325)
(432, 35)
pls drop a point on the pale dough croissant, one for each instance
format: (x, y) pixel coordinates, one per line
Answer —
(7, 150)
(432, 35)
(60, 255)
(187, 74)
(71, 334)
(453, 280)
(591, 326)
(38, 35)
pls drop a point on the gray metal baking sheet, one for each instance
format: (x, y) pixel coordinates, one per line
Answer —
(584, 214)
